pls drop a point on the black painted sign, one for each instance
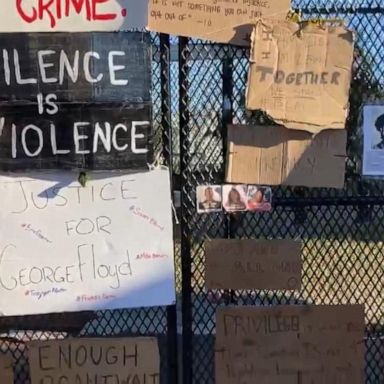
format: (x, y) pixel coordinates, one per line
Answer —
(75, 101)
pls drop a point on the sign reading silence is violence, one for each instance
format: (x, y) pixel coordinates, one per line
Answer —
(75, 101)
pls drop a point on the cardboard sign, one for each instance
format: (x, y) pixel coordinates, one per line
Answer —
(111, 240)
(6, 370)
(290, 344)
(252, 264)
(301, 78)
(274, 155)
(114, 360)
(219, 21)
(72, 15)
(75, 101)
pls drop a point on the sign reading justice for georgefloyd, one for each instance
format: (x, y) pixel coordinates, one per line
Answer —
(68, 248)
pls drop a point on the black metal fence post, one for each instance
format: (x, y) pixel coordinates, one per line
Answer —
(186, 258)
(231, 219)
(166, 124)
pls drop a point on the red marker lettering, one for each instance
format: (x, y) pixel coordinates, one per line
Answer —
(79, 6)
(54, 10)
(105, 16)
(24, 16)
(58, 9)
(45, 7)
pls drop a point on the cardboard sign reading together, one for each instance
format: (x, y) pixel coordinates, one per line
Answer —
(290, 345)
(301, 77)
(252, 264)
(115, 360)
(222, 21)
(274, 155)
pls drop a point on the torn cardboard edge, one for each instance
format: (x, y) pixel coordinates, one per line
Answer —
(241, 33)
(253, 264)
(185, 19)
(253, 98)
(275, 155)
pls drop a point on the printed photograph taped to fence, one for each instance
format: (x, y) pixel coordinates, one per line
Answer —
(209, 198)
(378, 136)
(373, 130)
(235, 198)
(259, 198)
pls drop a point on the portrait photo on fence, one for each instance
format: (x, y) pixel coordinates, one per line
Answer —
(235, 198)
(259, 198)
(373, 131)
(209, 198)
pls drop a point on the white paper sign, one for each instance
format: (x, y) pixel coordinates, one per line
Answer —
(72, 15)
(64, 247)
(373, 130)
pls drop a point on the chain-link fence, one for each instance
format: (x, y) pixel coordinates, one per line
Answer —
(342, 231)
(198, 88)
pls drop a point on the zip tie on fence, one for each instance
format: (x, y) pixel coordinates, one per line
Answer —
(157, 164)
(83, 178)
(175, 214)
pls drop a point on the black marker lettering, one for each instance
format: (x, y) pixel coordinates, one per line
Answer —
(335, 78)
(2, 256)
(44, 357)
(24, 198)
(264, 72)
(81, 356)
(103, 197)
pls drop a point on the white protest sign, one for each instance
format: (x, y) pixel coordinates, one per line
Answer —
(64, 247)
(72, 15)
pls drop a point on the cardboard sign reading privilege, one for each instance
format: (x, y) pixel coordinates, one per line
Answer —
(6, 370)
(219, 21)
(252, 264)
(274, 155)
(301, 78)
(115, 360)
(290, 345)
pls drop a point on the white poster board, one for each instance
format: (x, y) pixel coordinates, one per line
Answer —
(72, 15)
(373, 131)
(64, 247)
